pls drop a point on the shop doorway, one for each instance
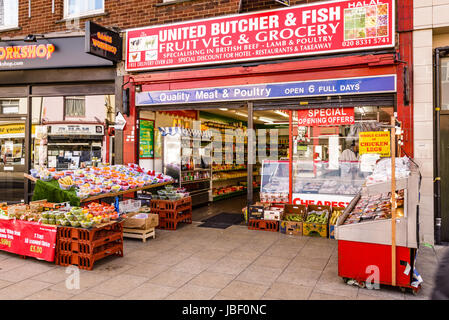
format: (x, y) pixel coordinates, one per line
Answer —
(444, 170)
(12, 158)
(227, 181)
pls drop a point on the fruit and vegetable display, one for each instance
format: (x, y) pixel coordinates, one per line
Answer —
(375, 207)
(320, 217)
(336, 213)
(293, 218)
(226, 190)
(93, 181)
(62, 215)
(170, 193)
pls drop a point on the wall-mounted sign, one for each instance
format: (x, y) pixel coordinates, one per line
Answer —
(103, 42)
(284, 2)
(48, 53)
(346, 86)
(317, 28)
(377, 142)
(120, 121)
(326, 117)
(76, 129)
(146, 138)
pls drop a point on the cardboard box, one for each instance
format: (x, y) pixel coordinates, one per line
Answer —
(309, 228)
(291, 228)
(332, 231)
(273, 213)
(144, 224)
(256, 212)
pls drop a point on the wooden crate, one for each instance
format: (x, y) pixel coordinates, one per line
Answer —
(139, 234)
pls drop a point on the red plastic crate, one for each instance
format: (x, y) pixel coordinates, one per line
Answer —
(265, 225)
(86, 261)
(89, 235)
(172, 224)
(171, 205)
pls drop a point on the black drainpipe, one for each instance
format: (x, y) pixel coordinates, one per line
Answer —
(437, 172)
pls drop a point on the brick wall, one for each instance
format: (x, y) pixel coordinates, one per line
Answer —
(131, 13)
(120, 13)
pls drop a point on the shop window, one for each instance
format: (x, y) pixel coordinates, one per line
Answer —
(79, 8)
(9, 106)
(9, 14)
(75, 107)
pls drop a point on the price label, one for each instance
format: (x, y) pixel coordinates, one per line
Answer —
(36, 249)
(5, 242)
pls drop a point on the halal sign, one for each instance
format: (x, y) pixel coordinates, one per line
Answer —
(284, 2)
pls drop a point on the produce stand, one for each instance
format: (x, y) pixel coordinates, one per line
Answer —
(70, 195)
(366, 244)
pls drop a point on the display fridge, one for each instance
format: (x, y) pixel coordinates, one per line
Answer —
(186, 158)
(364, 235)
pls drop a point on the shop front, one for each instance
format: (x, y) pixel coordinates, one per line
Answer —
(47, 86)
(318, 105)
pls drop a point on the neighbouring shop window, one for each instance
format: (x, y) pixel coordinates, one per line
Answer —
(9, 106)
(75, 106)
(77, 8)
(9, 14)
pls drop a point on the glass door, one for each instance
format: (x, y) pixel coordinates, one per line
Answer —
(12, 159)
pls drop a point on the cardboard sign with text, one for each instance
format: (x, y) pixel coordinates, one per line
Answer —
(375, 142)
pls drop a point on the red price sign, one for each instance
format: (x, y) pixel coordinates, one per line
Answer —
(28, 239)
(326, 117)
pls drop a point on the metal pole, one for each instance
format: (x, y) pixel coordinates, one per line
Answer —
(393, 202)
(437, 153)
(251, 155)
(28, 147)
(290, 157)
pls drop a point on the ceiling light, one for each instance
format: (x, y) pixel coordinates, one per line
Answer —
(223, 109)
(282, 113)
(241, 114)
(266, 120)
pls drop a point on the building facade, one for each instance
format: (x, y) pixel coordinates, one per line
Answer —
(431, 39)
(61, 18)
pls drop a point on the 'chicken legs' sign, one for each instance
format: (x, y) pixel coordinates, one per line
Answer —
(324, 27)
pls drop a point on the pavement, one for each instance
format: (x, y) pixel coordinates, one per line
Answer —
(194, 263)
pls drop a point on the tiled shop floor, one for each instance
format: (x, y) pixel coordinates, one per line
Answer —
(203, 263)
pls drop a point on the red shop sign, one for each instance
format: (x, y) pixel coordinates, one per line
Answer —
(325, 27)
(28, 238)
(326, 117)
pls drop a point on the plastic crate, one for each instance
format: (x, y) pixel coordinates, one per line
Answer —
(89, 235)
(74, 246)
(86, 261)
(264, 225)
(171, 205)
(172, 224)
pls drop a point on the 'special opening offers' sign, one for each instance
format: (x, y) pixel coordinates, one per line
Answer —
(325, 27)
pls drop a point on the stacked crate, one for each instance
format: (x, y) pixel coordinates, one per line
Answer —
(172, 212)
(83, 247)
